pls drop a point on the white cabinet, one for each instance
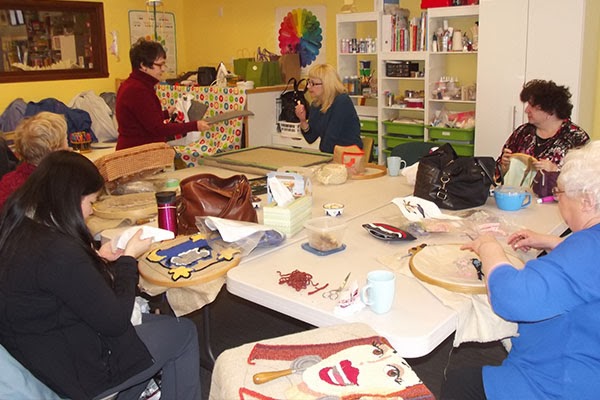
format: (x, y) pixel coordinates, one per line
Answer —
(520, 40)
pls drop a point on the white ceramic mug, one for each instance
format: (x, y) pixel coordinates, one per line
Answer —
(379, 291)
(395, 164)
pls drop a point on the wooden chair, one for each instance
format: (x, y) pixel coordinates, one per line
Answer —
(368, 147)
(411, 152)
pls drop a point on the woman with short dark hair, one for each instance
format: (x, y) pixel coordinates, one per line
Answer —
(139, 113)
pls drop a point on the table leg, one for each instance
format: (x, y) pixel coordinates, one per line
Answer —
(210, 363)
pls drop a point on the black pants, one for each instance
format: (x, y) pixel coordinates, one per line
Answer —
(463, 384)
(173, 344)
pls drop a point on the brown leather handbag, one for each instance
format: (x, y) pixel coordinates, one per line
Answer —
(209, 195)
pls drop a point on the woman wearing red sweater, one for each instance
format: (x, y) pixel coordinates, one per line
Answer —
(35, 137)
(139, 114)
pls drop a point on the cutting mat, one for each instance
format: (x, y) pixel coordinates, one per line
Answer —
(264, 159)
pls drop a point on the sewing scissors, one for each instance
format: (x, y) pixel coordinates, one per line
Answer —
(335, 293)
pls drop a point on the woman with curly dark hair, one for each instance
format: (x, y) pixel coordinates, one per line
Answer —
(549, 132)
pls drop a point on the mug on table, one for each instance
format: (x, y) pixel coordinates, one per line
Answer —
(394, 165)
(379, 291)
(509, 198)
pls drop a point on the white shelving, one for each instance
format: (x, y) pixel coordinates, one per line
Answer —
(357, 26)
(516, 44)
(432, 66)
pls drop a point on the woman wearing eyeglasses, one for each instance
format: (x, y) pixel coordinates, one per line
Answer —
(554, 299)
(140, 116)
(549, 132)
(332, 114)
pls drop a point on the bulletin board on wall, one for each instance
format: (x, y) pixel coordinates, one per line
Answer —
(303, 24)
(141, 24)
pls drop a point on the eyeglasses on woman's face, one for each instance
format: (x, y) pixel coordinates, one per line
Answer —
(160, 65)
(556, 192)
(311, 83)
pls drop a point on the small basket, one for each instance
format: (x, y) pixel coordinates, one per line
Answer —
(289, 127)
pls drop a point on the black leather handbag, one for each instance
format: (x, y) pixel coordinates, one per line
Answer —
(289, 100)
(454, 182)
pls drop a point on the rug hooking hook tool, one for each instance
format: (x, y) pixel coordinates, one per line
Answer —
(298, 365)
(335, 293)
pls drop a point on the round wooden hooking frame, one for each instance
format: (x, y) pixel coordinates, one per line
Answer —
(453, 286)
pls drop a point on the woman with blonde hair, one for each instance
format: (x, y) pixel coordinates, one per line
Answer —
(333, 117)
(35, 138)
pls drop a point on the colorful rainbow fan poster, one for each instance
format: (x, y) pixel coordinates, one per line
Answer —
(300, 32)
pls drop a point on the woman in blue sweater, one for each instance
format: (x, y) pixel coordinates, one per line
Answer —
(332, 114)
(555, 299)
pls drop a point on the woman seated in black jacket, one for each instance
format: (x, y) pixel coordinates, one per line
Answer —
(66, 306)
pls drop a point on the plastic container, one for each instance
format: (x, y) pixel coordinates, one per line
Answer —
(367, 125)
(404, 129)
(325, 233)
(333, 209)
(437, 132)
(414, 103)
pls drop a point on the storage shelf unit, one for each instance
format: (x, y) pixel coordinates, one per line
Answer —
(501, 64)
(360, 26)
(431, 67)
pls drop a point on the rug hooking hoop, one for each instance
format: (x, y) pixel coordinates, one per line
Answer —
(472, 287)
(158, 275)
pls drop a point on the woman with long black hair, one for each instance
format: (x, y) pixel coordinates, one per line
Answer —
(66, 306)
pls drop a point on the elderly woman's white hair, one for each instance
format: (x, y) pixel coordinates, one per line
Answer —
(580, 172)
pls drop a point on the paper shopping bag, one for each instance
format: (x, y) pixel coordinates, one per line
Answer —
(263, 73)
(274, 73)
(240, 65)
(290, 66)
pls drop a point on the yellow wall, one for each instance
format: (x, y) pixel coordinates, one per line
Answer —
(209, 33)
(115, 19)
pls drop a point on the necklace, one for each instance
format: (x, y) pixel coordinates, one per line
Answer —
(539, 145)
(539, 142)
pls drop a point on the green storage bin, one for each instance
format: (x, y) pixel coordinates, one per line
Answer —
(368, 125)
(447, 134)
(404, 129)
(392, 141)
(371, 135)
(461, 148)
